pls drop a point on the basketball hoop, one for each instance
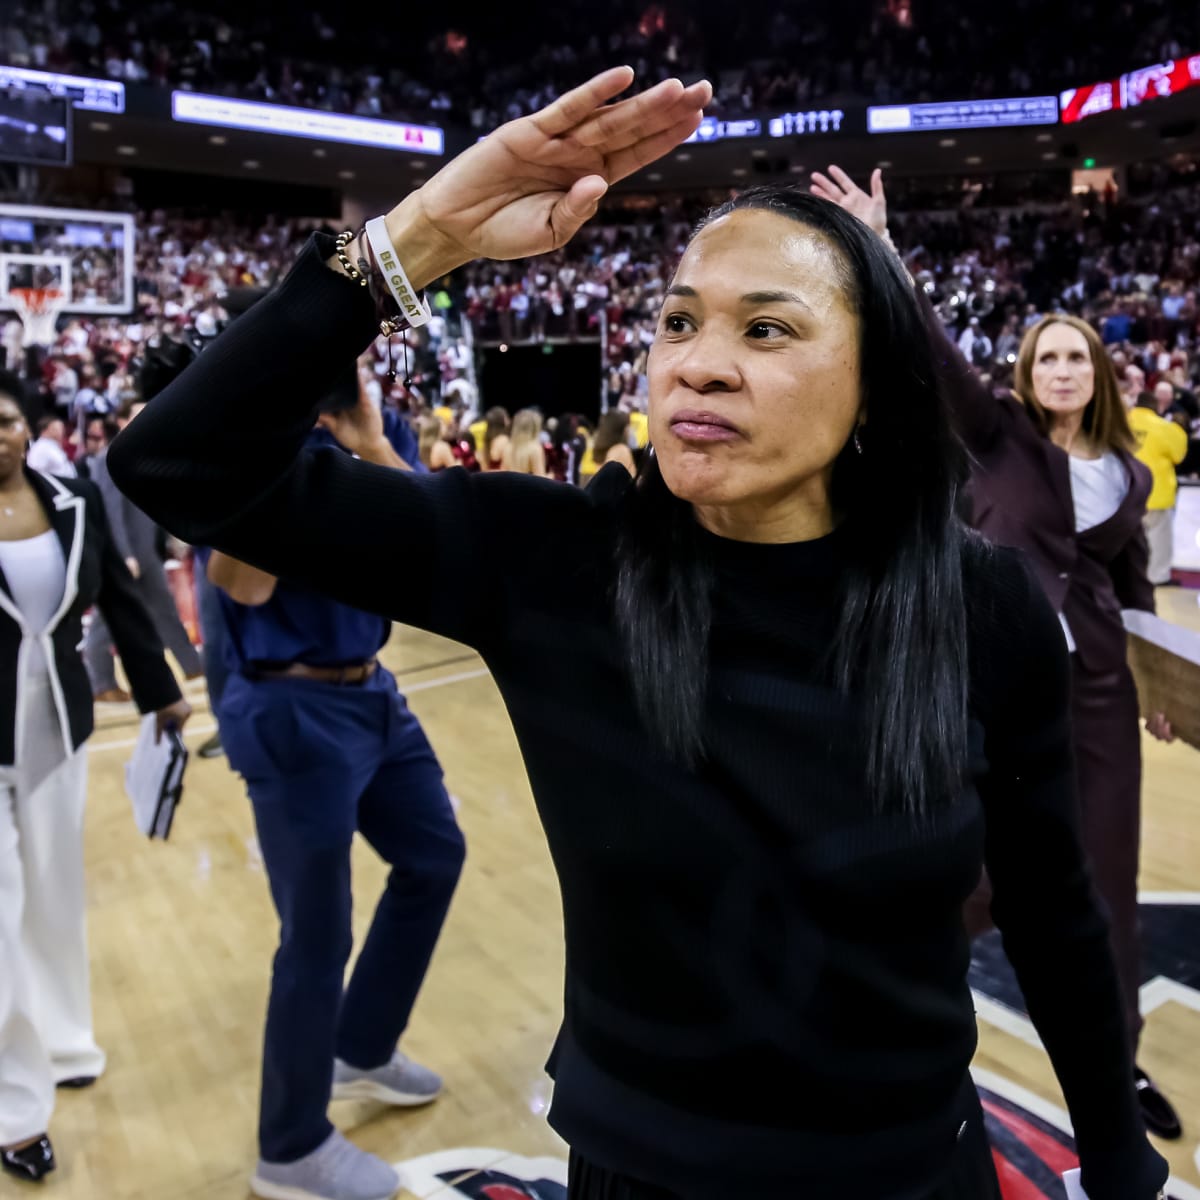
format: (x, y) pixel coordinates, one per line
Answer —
(38, 309)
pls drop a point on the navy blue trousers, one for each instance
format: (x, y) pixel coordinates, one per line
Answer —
(321, 762)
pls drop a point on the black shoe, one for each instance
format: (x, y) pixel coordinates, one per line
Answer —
(1161, 1119)
(31, 1163)
(212, 748)
(77, 1082)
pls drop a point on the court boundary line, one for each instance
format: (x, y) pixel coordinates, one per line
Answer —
(1052, 1114)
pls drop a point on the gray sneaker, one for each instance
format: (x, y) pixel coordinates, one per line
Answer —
(335, 1170)
(400, 1081)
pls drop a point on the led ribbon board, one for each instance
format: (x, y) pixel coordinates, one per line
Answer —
(313, 123)
(1156, 82)
(713, 130)
(96, 95)
(962, 114)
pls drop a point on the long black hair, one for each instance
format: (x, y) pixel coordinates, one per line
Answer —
(901, 644)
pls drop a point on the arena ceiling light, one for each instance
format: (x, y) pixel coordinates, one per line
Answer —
(196, 109)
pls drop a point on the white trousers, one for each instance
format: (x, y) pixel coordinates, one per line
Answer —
(1159, 524)
(45, 997)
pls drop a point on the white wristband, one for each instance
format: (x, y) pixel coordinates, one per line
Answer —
(413, 308)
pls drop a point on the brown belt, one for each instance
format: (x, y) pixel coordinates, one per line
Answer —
(343, 676)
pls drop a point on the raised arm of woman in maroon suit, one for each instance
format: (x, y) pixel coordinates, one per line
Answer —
(977, 411)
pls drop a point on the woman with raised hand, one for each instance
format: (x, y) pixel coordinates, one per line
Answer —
(1054, 475)
(805, 729)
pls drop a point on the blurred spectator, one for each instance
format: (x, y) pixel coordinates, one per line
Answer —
(1131, 267)
(47, 453)
(496, 64)
(525, 452)
(610, 444)
(1161, 445)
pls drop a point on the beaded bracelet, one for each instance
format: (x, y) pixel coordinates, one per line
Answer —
(344, 240)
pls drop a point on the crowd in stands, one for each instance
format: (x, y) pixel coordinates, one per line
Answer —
(492, 65)
(1132, 268)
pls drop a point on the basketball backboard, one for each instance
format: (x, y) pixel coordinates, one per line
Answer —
(89, 253)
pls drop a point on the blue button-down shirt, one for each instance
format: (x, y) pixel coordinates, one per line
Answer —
(297, 625)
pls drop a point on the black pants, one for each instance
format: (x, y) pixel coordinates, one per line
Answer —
(972, 1175)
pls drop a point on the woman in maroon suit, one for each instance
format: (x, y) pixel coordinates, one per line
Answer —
(1054, 475)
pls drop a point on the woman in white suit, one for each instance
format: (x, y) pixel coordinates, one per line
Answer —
(56, 561)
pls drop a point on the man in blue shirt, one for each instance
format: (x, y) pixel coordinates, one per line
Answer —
(327, 745)
(1116, 325)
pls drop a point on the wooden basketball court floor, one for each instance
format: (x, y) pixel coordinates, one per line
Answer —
(182, 935)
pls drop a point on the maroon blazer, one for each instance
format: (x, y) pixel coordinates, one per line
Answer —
(1021, 496)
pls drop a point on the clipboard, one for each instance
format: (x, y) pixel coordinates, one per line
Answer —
(1165, 660)
(154, 779)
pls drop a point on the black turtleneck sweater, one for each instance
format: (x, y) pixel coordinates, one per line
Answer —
(766, 988)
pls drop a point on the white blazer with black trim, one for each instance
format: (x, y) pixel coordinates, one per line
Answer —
(96, 574)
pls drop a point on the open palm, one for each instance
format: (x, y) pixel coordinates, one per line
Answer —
(870, 208)
(528, 187)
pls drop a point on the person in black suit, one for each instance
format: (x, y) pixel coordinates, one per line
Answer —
(57, 559)
(136, 537)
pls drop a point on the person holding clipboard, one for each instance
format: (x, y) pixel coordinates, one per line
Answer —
(57, 559)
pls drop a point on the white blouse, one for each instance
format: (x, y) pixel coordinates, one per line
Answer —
(37, 574)
(1098, 485)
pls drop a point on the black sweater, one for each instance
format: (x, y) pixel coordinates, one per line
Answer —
(766, 986)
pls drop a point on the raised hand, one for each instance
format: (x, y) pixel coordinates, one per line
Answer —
(529, 185)
(870, 209)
